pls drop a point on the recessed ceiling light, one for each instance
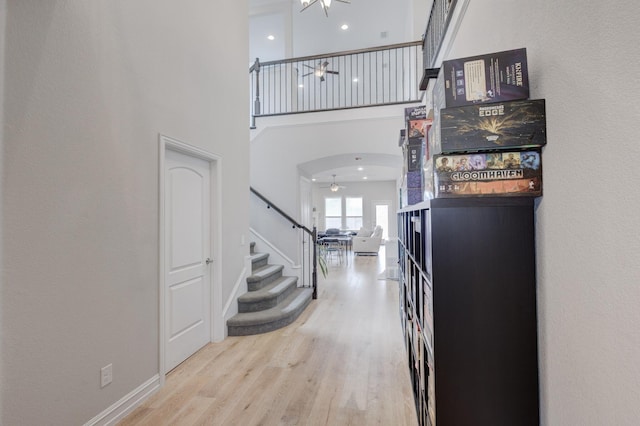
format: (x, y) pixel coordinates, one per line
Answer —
(364, 178)
(355, 79)
(271, 37)
(360, 169)
(313, 179)
(344, 27)
(301, 85)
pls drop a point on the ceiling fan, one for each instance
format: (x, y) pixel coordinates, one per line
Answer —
(334, 187)
(320, 70)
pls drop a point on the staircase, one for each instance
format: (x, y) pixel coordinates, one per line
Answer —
(272, 302)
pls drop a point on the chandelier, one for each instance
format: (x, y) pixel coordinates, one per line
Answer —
(326, 4)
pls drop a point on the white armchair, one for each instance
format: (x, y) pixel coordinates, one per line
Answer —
(367, 242)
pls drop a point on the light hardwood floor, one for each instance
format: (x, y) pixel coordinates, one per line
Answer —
(342, 362)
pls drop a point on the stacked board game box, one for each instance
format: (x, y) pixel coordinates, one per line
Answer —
(416, 152)
(502, 125)
(495, 77)
(490, 134)
(507, 173)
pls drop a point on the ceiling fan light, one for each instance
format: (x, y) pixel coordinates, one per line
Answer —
(304, 3)
(334, 187)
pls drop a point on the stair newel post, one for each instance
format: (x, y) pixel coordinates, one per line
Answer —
(256, 103)
(314, 272)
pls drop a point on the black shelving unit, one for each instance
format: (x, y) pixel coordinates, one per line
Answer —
(468, 310)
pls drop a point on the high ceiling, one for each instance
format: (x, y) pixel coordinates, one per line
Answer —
(371, 23)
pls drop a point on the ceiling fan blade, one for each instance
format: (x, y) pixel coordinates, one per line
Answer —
(322, 77)
(309, 73)
(331, 72)
(344, 1)
(310, 3)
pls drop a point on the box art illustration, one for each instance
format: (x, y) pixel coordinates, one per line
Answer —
(495, 77)
(415, 113)
(517, 173)
(417, 123)
(503, 125)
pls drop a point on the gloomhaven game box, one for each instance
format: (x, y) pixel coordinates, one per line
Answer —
(502, 125)
(496, 77)
(509, 173)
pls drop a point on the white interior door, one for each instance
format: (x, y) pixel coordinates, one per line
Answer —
(187, 249)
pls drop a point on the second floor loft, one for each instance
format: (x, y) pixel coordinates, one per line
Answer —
(383, 75)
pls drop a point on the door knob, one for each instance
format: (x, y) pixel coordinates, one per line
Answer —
(209, 260)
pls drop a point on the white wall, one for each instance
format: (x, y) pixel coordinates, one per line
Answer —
(3, 22)
(416, 22)
(583, 59)
(88, 88)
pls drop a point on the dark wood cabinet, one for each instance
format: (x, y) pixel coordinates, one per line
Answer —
(468, 309)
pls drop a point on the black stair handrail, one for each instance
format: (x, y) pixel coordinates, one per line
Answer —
(313, 233)
(282, 213)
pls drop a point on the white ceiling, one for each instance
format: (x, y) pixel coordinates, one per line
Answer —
(345, 167)
(371, 23)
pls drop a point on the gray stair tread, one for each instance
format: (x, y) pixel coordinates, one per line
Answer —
(258, 256)
(297, 298)
(265, 271)
(271, 290)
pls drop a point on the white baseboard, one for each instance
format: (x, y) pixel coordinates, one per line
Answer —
(127, 404)
(275, 252)
(239, 288)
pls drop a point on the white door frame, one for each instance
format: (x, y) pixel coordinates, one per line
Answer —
(375, 203)
(215, 168)
(306, 196)
(306, 219)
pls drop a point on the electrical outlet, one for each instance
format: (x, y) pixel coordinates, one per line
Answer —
(106, 375)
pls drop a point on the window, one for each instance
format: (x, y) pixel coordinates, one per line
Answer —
(333, 213)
